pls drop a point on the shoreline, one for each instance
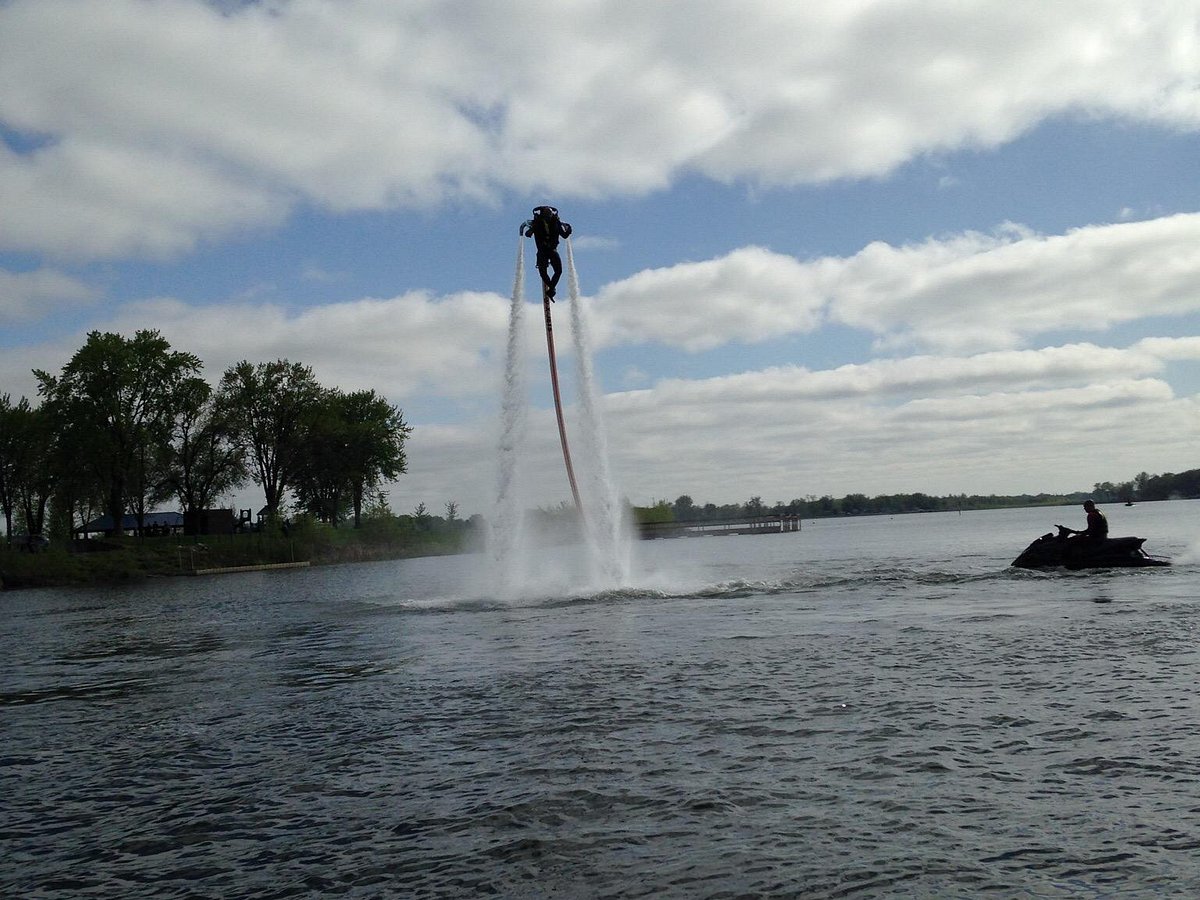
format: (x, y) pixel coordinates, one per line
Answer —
(133, 564)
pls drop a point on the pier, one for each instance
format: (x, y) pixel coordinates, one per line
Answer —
(770, 524)
(261, 567)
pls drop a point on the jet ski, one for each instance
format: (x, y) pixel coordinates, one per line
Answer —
(1063, 551)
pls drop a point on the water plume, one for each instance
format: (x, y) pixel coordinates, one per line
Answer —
(506, 534)
(606, 525)
(603, 560)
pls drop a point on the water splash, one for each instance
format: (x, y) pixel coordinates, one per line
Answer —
(507, 540)
(1190, 556)
(608, 529)
(604, 559)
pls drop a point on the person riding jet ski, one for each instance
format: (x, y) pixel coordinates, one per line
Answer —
(1097, 525)
(546, 228)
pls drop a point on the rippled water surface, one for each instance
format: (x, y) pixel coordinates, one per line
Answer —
(871, 707)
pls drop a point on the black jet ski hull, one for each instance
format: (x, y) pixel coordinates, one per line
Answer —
(1054, 551)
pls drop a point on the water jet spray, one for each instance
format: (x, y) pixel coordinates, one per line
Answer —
(605, 528)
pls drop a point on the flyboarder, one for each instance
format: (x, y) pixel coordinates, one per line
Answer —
(546, 228)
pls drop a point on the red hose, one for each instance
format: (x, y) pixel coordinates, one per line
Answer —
(562, 428)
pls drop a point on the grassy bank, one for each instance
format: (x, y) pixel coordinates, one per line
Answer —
(113, 561)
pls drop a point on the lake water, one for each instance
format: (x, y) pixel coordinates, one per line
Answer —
(870, 707)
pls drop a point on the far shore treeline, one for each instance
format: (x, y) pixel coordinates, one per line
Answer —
(1144, 487)
(129, 423)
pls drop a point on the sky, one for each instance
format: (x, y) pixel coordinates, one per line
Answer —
(844, 246)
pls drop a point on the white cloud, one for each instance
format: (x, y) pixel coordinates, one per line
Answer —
(166, 122)
(977, 291)
(142, 128)
(82, 199)
(749, 295)
(1005, 421)
(1059, 418)
(964, 292)
(785, 444)
(1171, 348)
(402, 346)
(314, 273)
(17, 364)
(969, 376)
(633, 376)
(29, 296)
(596, 242)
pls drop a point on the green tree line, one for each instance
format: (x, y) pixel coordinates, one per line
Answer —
(1144, 487)
(1169, 486)
(130, 423)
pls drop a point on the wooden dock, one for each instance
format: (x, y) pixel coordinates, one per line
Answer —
(780, 524)
(263, 567)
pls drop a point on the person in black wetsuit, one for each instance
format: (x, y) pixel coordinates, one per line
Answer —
(1097, 525)
(546, 228)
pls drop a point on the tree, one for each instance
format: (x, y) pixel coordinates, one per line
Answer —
(378, 508)
(19, 447)
(376, 434)
(28, 472)
(11, 443)
(855, 504)
(1139, 484)
(267, 405)
(660, 512)
(685, 509)
(352, 443)
(321, 481)
(113, 399)
(39, 473)
(202, 459)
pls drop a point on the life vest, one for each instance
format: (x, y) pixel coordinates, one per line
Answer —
(546, 227)
(545, 220)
